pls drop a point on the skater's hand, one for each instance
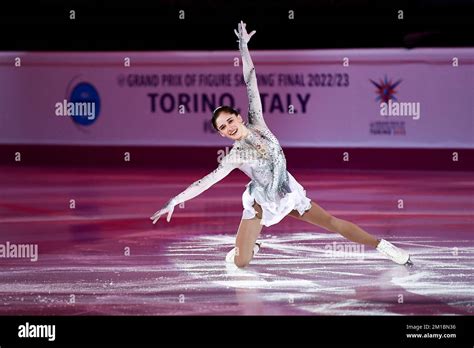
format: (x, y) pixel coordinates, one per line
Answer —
(242, 33)
(168, 208)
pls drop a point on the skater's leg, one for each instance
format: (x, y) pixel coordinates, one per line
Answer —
(318, 216)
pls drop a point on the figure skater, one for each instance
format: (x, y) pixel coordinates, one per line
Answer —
(273, 192)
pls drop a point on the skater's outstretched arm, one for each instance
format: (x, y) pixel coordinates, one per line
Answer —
(196, 188)
(250, 77)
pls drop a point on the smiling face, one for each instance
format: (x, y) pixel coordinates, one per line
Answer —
(231, 126)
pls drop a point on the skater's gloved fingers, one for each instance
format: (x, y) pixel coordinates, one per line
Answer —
(242, 32)
(159, 213)
(244, 27)
(156, 214)
(155, 218)
(239, 31)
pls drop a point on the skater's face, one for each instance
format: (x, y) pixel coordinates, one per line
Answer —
(230, 126)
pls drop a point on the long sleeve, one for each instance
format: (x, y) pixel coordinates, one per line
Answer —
(250, 78)
(196, 188)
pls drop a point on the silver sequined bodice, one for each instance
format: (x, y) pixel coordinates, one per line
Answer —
(263, 160)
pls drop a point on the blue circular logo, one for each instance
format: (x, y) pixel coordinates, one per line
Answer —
(86, 102)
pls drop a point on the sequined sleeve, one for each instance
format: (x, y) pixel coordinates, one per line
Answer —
(250, 78)
(227, 165)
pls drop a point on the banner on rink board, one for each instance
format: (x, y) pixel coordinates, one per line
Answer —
(420, 98)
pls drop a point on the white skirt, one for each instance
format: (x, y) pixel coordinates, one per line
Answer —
(274, 212)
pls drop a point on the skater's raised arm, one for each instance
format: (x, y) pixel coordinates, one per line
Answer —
(250, 77)
(196, 188)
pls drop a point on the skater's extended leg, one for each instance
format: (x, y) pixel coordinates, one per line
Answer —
(320, 217)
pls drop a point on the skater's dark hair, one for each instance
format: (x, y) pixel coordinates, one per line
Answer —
(219, 110)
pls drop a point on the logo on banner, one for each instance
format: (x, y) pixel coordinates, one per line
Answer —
(82, 103)
(385, 89)
(389, 104)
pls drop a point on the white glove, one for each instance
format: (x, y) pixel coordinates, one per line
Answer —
(242, 33)
(168, 208)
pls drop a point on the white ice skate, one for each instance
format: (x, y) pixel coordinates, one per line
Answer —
(231, 254)
(395, 254)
